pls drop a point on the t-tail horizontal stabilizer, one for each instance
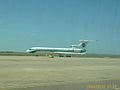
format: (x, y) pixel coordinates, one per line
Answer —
(82, 44)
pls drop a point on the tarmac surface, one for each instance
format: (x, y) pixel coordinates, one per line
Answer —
(59, 73)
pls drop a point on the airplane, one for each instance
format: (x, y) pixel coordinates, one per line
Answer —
(74, 49)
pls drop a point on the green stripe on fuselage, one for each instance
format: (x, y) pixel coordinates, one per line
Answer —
(57, 50)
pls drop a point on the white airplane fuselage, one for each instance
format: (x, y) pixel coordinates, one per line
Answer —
(74, 49)
(57, 50)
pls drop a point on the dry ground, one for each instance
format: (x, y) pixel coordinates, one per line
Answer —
(36, 73)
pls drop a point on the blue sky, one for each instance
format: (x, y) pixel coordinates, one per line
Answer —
(60, 23)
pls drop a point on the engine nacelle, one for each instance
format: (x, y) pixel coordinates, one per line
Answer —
(79, 51)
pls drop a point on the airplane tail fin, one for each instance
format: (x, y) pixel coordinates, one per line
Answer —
(82, 44)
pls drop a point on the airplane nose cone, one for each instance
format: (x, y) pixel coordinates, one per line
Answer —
(28, 50)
